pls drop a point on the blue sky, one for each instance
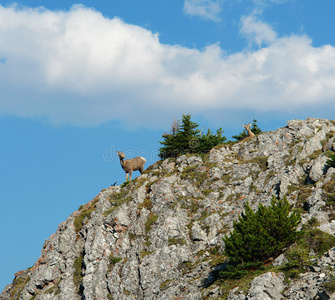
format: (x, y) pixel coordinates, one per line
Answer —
(81, 80)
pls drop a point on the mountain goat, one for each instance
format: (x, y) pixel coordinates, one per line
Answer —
(247, 127)
(130, 165)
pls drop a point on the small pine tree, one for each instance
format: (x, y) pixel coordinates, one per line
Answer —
(179, 141)
(260, 235)
(188, 131)
(331, 161)
(209, 141)
(186, 138)
(254, 129)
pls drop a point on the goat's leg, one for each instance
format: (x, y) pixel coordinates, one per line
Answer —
(126, 176)
(130, 175)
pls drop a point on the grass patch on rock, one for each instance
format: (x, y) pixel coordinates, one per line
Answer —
(330, 285)
(262, 162)
(116, 199)
(119, 198)
(193, 173)
(165, 284)
(77, 274)
(242, 277)
(311, 239)
(55, 290)
(152, 218)
(185, 267)
(146, 204)
(84, 215)
(303, 194)
(18, 284)
(114, 260)
(177, 241)
(145, 253)
(191, 205)
(329, 193)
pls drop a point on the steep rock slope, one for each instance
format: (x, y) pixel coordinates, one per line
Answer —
(160, 236)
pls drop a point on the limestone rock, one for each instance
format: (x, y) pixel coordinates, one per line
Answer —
(267, 286)
(280, 260)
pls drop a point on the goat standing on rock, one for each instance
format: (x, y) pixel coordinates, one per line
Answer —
(130, 165)
(247, 127)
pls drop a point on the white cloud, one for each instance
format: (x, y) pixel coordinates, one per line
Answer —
(211, 9)
(257, 31)
(207, 9)
(81, 68)
(268, 2)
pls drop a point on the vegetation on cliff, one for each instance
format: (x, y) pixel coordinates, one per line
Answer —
(185, 137)
(260, 235)
(331, 161)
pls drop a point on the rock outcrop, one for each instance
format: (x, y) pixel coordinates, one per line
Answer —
(160, 237)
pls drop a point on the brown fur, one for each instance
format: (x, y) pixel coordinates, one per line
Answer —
(130, 165)
(247, 127)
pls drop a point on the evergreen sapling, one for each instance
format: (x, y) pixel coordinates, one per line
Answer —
(259, 235)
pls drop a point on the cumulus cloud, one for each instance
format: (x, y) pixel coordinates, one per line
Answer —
(207, 9)
(80, 68)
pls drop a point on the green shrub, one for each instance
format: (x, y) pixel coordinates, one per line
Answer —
(187, 138)
(239, 271)
(298, 257)
(114, 260)
(331, 161)
(260, 235)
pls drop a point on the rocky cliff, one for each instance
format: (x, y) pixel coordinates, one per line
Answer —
(160, 236)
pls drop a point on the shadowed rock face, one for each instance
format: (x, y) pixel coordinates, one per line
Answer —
(157, 237)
